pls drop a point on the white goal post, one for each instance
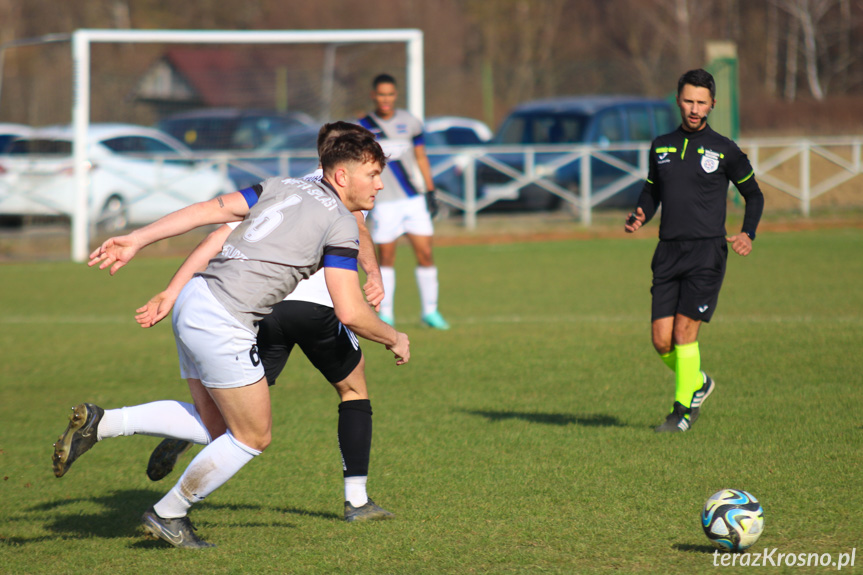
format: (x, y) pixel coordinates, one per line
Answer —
(83, 39)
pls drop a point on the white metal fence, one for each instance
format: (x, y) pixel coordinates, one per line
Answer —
(799, 169)
(795, 175)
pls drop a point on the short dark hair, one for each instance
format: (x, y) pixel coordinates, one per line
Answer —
(334, 130)
(700, 79)
(383, 79)
(353, 146)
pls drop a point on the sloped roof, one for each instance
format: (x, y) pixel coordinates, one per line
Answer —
(213, 77)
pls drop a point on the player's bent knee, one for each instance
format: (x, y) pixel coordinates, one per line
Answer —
(258, 441)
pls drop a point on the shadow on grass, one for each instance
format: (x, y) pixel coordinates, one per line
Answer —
(121, 517)
(690, 548)
(285, 510)
(586, 420)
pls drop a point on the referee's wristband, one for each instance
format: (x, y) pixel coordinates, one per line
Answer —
(750, 234)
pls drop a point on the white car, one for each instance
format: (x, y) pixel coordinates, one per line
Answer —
(9, 132)
(135, 175)
(456, 131)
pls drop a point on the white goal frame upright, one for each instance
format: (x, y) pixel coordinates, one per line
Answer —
(82, 39)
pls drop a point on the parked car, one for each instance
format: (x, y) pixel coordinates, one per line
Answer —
(601, 121)
(456, 131)
(135, 174)
(258, 141)
(440, 132)
(232, 128)
(452, 132)
(290, 154)
(9, 132)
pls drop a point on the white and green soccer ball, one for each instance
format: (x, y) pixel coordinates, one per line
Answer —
(732, 519)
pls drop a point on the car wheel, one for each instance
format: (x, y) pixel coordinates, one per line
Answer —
(113, 216)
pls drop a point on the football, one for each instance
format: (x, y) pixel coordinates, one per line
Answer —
(732, 519)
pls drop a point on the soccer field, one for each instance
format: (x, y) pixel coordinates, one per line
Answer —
(520, 441)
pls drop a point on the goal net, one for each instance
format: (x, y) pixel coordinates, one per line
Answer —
(243, 102)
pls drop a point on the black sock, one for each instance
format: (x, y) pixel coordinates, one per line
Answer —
(355, 436)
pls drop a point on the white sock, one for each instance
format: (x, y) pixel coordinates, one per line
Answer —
(210, 469)
(388, 276)
(428, 287)
(174, 419)
(355, 490)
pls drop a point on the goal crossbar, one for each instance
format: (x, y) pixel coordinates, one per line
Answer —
(83, 39)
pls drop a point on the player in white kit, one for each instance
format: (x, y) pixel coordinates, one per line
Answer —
(407, 203)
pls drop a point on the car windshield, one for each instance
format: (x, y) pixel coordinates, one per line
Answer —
(455, 136)
(229, 133)
(42, 147)
(300, 139)
(542, 128)
(5, 139)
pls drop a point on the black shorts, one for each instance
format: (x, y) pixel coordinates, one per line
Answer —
(687, 276)
(331, 347)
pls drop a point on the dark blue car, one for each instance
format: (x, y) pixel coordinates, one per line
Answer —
(553, 127)
(256, 144)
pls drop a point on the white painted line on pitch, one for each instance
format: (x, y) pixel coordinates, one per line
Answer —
(477, 320)
(587, 319)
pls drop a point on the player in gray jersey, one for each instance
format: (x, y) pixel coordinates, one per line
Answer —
(407, 204)
(289, 229)
(305, 318)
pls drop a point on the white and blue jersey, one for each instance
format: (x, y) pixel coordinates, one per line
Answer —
(398, 136)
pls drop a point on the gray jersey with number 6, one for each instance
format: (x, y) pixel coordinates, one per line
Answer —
(294, 228)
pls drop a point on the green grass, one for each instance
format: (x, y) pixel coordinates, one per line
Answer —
(519, 442)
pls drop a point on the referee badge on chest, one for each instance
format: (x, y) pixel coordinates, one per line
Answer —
(710, 161)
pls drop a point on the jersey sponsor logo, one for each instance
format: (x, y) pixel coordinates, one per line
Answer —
(401, 128)
(232, 253)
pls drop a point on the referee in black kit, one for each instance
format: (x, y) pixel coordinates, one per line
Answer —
(688, 176)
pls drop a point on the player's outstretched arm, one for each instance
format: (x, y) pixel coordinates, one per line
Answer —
(353, 312)
(160, 305)
(117, 252)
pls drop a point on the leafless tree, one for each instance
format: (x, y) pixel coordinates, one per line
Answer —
(808, 16)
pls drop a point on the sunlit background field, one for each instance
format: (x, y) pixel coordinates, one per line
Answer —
(520, 441)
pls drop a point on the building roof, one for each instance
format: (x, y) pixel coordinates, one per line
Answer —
(212, 77)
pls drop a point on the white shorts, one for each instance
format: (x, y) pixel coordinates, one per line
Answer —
(391, 220)
(213, 345)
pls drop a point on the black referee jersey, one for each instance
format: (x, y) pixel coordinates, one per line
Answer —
(688, 176)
